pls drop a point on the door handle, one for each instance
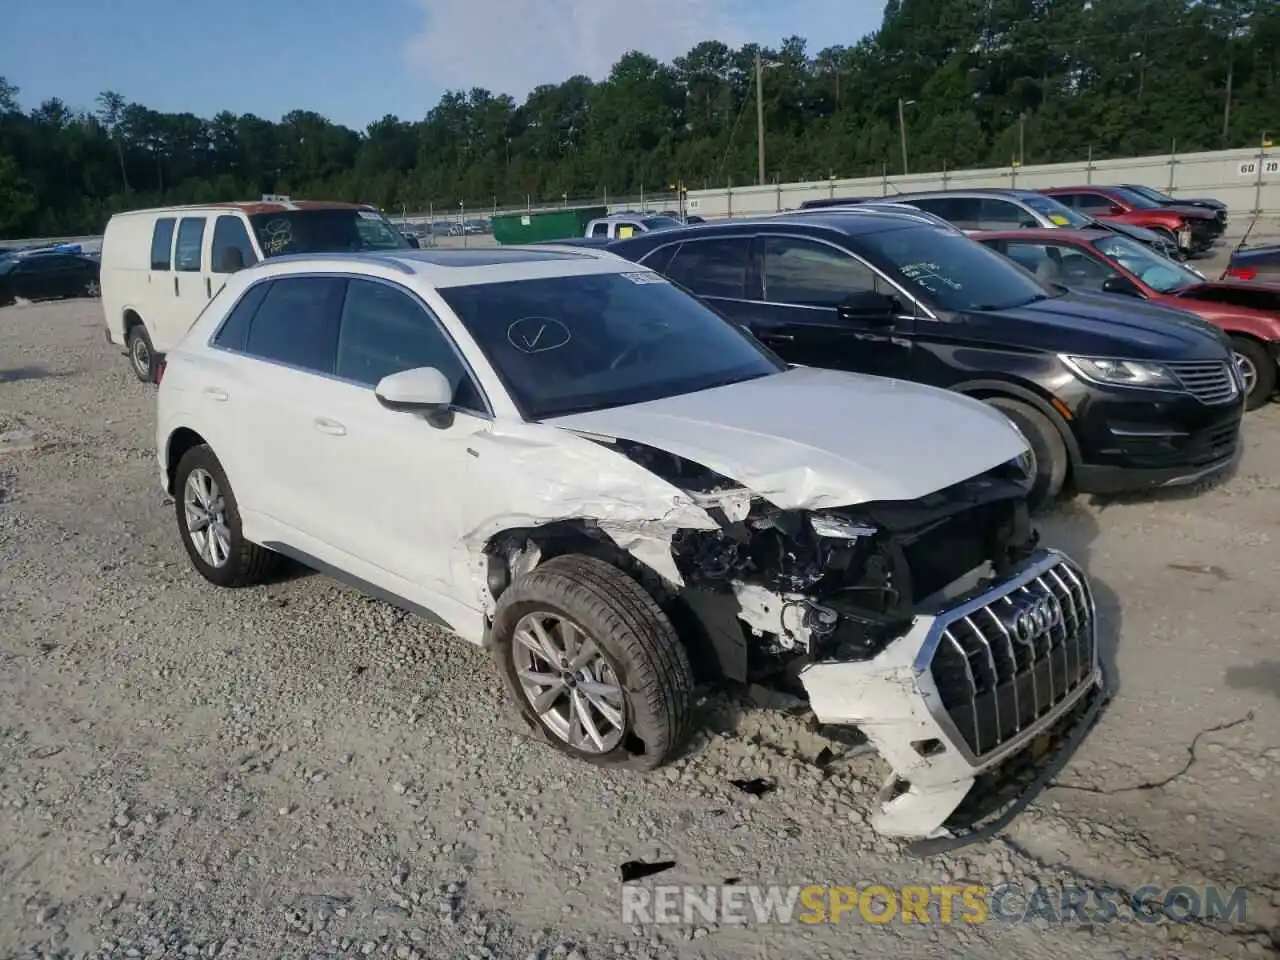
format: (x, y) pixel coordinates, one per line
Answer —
(208, 288)
(175, 284)
(331, 427)
(216, 393)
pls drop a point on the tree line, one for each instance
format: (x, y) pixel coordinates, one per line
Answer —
(976, 82)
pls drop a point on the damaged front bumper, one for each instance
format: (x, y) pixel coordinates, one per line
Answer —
(975, 681)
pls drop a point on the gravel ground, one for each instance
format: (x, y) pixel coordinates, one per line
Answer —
(296, 771)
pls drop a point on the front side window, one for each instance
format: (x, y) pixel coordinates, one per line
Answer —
(1061, 263)
(1002, 215)
(712, 268)
(325, 230)
(187, 251)
(297, 323)
(231, 243)
(571, 344)
(811, 274)
(1094, 204)
(384, 331)
(162, 243)
(949, 270)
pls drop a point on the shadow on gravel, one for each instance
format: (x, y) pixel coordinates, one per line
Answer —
(1072, 528)
(1263, 675)
(28, 373)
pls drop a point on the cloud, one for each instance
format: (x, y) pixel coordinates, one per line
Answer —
(511, 46)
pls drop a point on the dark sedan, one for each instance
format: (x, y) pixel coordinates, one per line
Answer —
(1111, 394)
(47, 276)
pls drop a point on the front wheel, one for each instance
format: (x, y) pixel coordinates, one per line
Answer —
(593, 663)
(1048, 450)
(1257, 370)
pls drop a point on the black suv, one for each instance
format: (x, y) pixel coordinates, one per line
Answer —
(1112, 394)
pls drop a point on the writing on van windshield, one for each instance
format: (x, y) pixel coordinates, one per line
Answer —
(930, 276)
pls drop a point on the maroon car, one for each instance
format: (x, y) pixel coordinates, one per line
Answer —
(1095, 260)
(1193, 229)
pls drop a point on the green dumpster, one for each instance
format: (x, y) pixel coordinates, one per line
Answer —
(539, 226)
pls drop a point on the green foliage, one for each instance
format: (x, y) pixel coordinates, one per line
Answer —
(987, 77)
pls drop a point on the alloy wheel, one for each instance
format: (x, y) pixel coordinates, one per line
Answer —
(1248, 372)
(572, 688)
(205, 509)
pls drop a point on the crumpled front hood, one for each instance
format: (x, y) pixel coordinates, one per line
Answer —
(813, 439)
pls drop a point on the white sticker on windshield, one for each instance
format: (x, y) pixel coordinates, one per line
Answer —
(538, 334)
(368, 215)
(645, 277)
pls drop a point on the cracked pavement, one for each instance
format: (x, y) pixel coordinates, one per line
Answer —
(296, 771)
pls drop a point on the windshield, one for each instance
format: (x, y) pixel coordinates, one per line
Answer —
(1157, 272)
(337, 230)
(574, 344)
(1135, 199)
(1057, 211)
(953, 272)
(1151, 194)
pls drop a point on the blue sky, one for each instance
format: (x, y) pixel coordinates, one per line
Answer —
(356, 61)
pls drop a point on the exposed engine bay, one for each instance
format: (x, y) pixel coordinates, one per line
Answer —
(842, 583)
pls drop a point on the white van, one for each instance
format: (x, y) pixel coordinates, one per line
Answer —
(160, 267)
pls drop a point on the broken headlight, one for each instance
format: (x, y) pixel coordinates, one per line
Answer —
(838, 529)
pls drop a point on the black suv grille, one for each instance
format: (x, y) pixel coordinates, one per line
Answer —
(1009, 663)
(1209, 381)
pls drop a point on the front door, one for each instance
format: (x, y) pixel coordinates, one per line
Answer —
(803, 282)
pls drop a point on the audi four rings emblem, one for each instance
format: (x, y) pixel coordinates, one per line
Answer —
(1033, 615)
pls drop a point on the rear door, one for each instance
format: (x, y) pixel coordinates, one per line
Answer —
(178, 306)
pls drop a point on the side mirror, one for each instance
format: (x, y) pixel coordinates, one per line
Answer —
(231, 261)
(869, 306)
(1122, 286)
(1116, 210)
(412, 241)
(420, 390)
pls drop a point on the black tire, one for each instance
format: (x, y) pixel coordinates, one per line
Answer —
(1264, 384)
(1046, 443)
(636, 639)
(246, 563)
(142, 355)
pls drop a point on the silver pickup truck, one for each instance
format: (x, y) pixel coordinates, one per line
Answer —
(619, 226)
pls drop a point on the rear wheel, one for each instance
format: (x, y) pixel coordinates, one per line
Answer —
(593, 663)
(1048, 450)
(209, 524)
(142, 355)
(1257, 369)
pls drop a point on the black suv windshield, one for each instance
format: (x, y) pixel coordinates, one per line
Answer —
(573, 344)
(1057, 212)
(336, 230)
(951, 271)
(1157, 272)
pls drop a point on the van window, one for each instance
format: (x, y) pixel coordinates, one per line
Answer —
(190, 244)
(162, 243)
(229, 234)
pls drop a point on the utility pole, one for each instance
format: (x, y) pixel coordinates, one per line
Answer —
(759, 120)
(1226, 106)
(902, 129)
(1022, 139)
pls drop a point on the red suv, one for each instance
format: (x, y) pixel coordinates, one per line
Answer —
(1193, 228)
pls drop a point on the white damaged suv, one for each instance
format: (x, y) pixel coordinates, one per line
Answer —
(564, 457)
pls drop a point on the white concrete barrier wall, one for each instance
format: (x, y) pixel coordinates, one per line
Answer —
(1248, 181)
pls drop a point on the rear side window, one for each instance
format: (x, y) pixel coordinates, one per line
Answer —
(297, 323)
(234, 332)
(186, 255)
(229, 234)
(712, 268)
(162, 243)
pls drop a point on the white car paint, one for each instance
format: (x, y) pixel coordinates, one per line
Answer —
(809, 438)
(321, 467)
